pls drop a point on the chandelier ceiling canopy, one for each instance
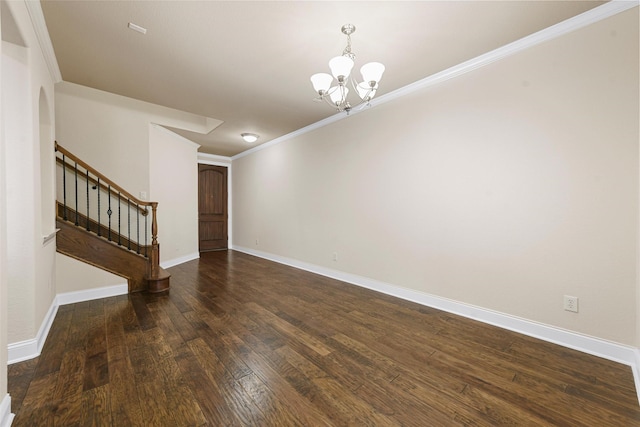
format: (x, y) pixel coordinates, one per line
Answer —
(340, 67)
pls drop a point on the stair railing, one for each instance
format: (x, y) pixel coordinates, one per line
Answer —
(79, 184)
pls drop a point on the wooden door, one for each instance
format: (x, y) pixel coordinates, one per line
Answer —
(212, 207)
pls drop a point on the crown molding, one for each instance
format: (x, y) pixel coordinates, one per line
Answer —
(572, 24)
(214, 159)
(301, 131)
(589, 17)
(42, 34)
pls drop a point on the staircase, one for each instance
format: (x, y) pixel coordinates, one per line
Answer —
(103, 225)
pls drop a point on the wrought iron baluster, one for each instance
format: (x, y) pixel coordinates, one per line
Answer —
(146, 231)
(75, 168)
(64, 186)
(99, 225)
(109, 212)
(88, 228)
(138, 228)
(119, 218)
(129, 222)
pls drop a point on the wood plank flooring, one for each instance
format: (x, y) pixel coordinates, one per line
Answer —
(240, 341)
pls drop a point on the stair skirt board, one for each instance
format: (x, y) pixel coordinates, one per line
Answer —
(29, 349)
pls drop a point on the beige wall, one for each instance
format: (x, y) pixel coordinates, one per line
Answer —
(21, 234)
(174, 185)
(111, 132)
(27, 279)
(74, 276)
(27, 98)
(505, 188)
(3, 247)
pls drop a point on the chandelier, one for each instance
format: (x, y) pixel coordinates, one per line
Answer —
(341, 66)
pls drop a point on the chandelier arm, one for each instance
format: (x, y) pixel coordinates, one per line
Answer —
(331, 104)
(354, 85)
(365, 98)
(364, 104)
(342, 103)
(360, 103)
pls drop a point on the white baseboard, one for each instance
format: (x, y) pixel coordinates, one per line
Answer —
(627, 355)
(587, 344)
(636, 375)
(6, 417)
(91, 294)
(28, 349)
(173, 262)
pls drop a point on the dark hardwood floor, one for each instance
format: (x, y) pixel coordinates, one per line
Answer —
(241, 341)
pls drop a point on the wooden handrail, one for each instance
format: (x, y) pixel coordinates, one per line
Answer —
(95, 182)
(113, 185)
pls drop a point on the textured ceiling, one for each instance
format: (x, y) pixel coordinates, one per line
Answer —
(248, 63)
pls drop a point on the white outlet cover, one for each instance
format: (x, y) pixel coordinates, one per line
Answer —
(571, 303)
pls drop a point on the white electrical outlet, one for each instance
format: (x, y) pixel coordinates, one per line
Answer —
(257, 242)
(571, 303)
(335, 256)
(143, 195)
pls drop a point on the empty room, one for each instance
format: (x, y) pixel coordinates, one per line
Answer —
(318, 213)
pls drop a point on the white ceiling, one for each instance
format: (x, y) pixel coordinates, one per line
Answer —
(248, 63)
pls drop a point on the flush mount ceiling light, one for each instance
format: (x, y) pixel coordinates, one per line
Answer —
(341, 66)
(249, 137)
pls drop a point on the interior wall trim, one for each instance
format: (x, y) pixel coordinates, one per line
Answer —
(626, 355)
(28, 349)
(42, 34)
(636, 375)
(175, 261)
(584, 19)
(91, 294)
(567, 26)
(6, 417)
(213, 159)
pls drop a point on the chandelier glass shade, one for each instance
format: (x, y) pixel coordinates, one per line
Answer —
(333, 88)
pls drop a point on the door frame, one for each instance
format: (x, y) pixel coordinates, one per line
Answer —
(213, 160)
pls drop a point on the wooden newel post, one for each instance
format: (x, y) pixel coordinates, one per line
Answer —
(158, 280)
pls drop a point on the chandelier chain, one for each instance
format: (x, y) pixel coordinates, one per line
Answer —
(347, 50)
